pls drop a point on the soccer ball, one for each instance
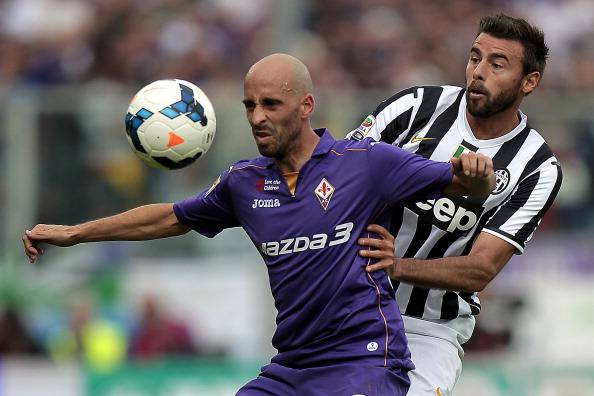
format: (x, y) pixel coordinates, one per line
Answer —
(170, 124)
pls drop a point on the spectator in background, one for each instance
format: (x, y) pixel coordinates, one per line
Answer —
(158, 335)
(14, 335)
(97, 340)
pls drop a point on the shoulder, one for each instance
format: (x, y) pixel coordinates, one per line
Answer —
(247, 165)
(418, 91)
(345, 146)
(543, 154)
(245, 168)
(428, 98)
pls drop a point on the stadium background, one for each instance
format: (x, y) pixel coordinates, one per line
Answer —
(191, 316)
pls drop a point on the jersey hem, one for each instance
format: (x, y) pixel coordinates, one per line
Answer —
(446, 330)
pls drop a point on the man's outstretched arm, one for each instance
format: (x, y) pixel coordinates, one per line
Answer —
(471, 273)
(142, 223)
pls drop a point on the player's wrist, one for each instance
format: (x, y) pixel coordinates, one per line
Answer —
(393, 271)
(74, 235)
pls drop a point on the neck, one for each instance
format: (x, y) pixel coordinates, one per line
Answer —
(494, 126)
(300, 153)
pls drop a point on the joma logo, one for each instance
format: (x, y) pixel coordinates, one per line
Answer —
(266, 203)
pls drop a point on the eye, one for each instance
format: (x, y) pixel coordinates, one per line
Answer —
(497, 66)
(474, 59)
(270, 103)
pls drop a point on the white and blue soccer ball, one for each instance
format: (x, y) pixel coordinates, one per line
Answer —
(170, 124)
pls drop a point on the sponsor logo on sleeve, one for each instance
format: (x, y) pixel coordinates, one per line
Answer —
(363, 129)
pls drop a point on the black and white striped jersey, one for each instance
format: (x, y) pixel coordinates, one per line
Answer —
(431, 121)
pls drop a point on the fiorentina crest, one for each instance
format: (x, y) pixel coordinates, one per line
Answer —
(324, 192)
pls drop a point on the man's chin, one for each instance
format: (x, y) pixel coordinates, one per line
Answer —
(478, 111)
(265, 151)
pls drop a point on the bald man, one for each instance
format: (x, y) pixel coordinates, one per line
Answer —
(304, 204)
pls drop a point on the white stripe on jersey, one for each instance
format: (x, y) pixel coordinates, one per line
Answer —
(409, 217)
(431, 121)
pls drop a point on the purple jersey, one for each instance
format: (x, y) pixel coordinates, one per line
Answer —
(329, 309)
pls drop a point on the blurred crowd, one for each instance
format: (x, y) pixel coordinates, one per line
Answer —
(349, 45)
(381, 44)
(100, 335)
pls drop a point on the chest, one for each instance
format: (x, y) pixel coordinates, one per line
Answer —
(328, 198)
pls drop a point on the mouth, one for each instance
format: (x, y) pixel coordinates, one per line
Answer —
(476, 93)
(261, 136)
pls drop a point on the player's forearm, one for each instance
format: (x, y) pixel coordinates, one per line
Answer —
(465, 273)
(142, 223)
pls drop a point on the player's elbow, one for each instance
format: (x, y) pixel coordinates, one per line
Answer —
(483, 273)
(478, 285)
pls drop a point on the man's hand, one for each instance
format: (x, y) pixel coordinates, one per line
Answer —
(473, 175)
(380, 249)
(59, 235)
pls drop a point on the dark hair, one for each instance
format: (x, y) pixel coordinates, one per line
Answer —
(531, 38)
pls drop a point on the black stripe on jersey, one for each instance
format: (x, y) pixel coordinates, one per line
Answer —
(439, 249)
(506, 153)
(449, 306)
(396, 127)
(529, 227)
(418, 296)
(469, 146)
(542, 154)
(486, 217)
(394, 98)
(421, 234)
(475, 308)
(517, 200)
(396, 220)
(428, 105)
(509, 149)
(440, 127)
(416, 304)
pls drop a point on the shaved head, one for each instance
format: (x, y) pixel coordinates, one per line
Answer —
(288, 73)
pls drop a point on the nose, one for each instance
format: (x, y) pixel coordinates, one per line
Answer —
(258, 115)
(478, 72)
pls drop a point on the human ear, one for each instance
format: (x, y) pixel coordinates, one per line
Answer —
(307, 105)
(530, 82)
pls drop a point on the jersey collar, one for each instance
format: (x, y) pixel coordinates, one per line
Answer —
(323, 147)
(325, 144)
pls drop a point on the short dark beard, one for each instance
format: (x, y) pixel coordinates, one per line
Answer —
(499, 104)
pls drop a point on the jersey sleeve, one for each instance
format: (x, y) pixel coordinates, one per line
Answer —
(391, 119)
(209, 212)
(400, 176)
(516, 220)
